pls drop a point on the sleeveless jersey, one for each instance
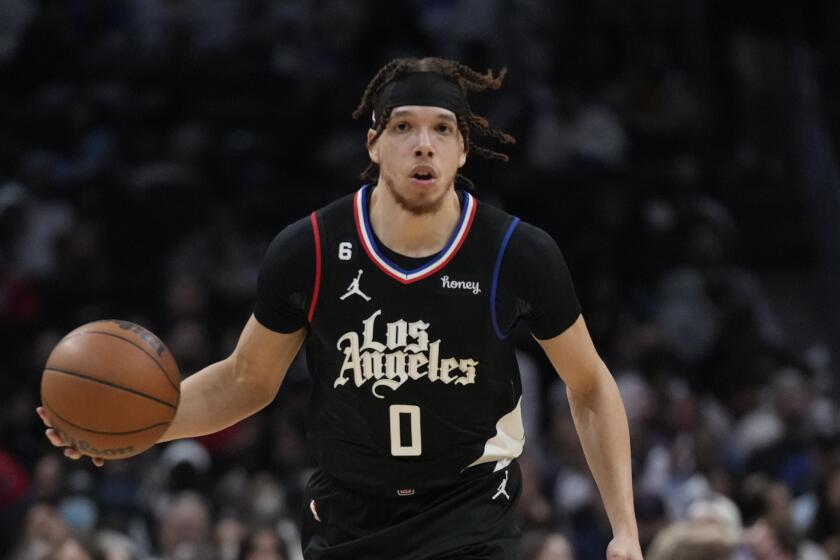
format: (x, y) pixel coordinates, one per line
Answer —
(414, 387)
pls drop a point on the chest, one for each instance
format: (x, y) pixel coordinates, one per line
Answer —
(357, 295)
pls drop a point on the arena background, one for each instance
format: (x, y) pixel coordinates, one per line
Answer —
(683, 153)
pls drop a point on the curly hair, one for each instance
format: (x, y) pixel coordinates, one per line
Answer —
(467, 79)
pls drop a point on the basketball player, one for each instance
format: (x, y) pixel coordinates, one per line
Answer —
(404, 293)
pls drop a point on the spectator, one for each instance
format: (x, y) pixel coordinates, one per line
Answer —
(545, 546)
(696, 540)
(184, 532)
(263, 544)
(826, 527)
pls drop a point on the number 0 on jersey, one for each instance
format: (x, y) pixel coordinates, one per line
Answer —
(398, 447)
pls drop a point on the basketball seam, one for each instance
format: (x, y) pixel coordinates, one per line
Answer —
(109, 384)
(160, 367)
(66, 421)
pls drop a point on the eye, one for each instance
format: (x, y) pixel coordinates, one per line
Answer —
(401, 126)
(444, 128)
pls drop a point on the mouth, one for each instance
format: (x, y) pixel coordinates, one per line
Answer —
(423, 175)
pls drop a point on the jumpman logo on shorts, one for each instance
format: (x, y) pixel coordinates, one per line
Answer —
(502, 489)
(354, 288)
(314, 509)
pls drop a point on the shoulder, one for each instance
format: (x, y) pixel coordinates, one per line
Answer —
(488, 211)
(521, 240)
(338, 207)
(299, 235)
(535, 256)
(296, 234)
(529, 239)
(522, 234)
(494, 225)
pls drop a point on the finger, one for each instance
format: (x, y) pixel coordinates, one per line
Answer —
(72, 454)
(43, 414)
(98, 461)
(54, 438)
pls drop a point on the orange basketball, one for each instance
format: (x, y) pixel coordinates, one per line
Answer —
(110, 389)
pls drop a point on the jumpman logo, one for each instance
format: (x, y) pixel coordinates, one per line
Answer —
(354, 288)
(502, 489)
(314, 509)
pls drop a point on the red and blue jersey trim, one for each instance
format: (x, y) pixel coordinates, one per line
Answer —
(438, 262)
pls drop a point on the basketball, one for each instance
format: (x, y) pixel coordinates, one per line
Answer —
(110, 389)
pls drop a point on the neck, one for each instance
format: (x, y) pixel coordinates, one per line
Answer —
(410, 234)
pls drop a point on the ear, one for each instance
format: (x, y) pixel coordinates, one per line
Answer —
(463, 159)
(372, 146)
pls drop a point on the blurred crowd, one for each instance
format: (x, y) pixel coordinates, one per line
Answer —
(150, 150)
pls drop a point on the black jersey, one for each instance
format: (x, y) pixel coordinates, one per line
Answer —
(415, 383)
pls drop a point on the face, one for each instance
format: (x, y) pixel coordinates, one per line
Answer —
(556, 547)
(419, 154)
(265, 546)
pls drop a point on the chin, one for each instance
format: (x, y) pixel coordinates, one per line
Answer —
(419, 199)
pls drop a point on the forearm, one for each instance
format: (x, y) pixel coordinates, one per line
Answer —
(601, 424)
(213, 399)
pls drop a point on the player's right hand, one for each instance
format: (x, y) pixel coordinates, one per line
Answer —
(56, 440)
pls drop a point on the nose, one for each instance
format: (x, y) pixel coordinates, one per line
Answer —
(424, 144)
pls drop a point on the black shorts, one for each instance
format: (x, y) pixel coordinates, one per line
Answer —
(475, 520)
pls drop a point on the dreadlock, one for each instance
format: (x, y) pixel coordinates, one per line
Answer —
(469, 81)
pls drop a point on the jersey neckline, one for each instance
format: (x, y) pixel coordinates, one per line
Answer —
(366, 236)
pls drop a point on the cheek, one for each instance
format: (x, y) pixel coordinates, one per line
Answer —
(456, 155)
(393, 148)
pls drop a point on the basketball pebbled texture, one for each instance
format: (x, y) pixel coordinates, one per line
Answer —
(110, 389)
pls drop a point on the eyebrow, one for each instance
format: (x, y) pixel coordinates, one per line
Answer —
(407, 112)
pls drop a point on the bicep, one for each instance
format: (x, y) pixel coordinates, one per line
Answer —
(263, 356)
(574, 357)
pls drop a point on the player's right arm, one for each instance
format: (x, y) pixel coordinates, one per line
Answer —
(224, 393)
(236, 387)
(245, 382)
(228, 391)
